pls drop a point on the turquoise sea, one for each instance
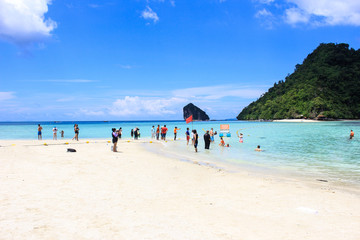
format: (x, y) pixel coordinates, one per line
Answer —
(321, 150)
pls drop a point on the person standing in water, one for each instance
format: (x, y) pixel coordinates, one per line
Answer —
(55, 133)
(196, 140)
(207, 140)
(39, 132)
(157, 132)
(240, 137)
(153, 131)
(258, 149)
(212, 135)
(119, 133)
(187, 133)
(175, 132)
(352, 134)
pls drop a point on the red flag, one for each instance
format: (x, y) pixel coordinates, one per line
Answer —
(189, 119)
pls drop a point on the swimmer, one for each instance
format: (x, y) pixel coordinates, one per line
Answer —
(352, 134)
(222, 142)
(227, 145)
(258, 149)
(240, 137)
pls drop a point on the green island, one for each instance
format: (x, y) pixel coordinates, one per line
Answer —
(325, 86)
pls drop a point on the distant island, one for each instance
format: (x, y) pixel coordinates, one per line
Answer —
(325, 86)
(197, 113)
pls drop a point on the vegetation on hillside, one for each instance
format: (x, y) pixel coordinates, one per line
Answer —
(327, 83)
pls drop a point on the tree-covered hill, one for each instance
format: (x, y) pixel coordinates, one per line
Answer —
(326, 83)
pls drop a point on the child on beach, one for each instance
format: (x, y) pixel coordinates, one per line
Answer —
(187, 133)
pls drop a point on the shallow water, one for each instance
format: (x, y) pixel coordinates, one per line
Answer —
(321, 149)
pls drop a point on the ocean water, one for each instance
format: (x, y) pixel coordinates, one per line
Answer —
(320, 150)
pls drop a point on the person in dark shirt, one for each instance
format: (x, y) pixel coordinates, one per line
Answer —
(207, 140)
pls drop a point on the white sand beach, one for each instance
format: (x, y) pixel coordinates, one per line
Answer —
(49, 193)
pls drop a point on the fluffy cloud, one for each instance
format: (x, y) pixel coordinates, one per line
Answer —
(325, 12)
(316, 13)
(135, 106)
(23, 21)
(149, 14)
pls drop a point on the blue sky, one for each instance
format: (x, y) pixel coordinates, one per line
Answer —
(146, 59)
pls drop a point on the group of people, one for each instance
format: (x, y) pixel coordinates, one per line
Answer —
(161, 132)
(55, 130)
(116, 134)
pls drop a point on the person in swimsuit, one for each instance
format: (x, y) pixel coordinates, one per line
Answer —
(240, 137)
(187, 133)
(55, 133)
(196, 140)
(352, 134)
(76, 130)
(115, 135)
(212, 134)
(222, 142)
(258, 149)
(39, 132)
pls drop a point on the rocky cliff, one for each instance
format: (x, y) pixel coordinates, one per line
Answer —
(197, 113)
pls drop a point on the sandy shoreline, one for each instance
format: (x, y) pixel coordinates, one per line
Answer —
(48, 193)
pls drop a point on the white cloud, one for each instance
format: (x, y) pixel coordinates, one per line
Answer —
(141, 106)
(91, 112)
(149, 14)
(6, 96)
(331, 12)
(263, 13)
(218, 92)
(315, 13)
(296, 15)
(23, 21)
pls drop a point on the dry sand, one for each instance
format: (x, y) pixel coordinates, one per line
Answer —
(48, 193)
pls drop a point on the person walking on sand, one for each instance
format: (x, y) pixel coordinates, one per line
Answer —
(196, 140)
(55, 133)
(207, 140)
(157, 132)
(175, 132)
(39, 132)
(115, 135)
(352, 134)
(76, 130)
(187, 133)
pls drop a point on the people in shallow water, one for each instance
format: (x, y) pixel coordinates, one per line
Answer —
(352, 134)
(240, 137)
(222, 142)
(39, 132)
(258, 149)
